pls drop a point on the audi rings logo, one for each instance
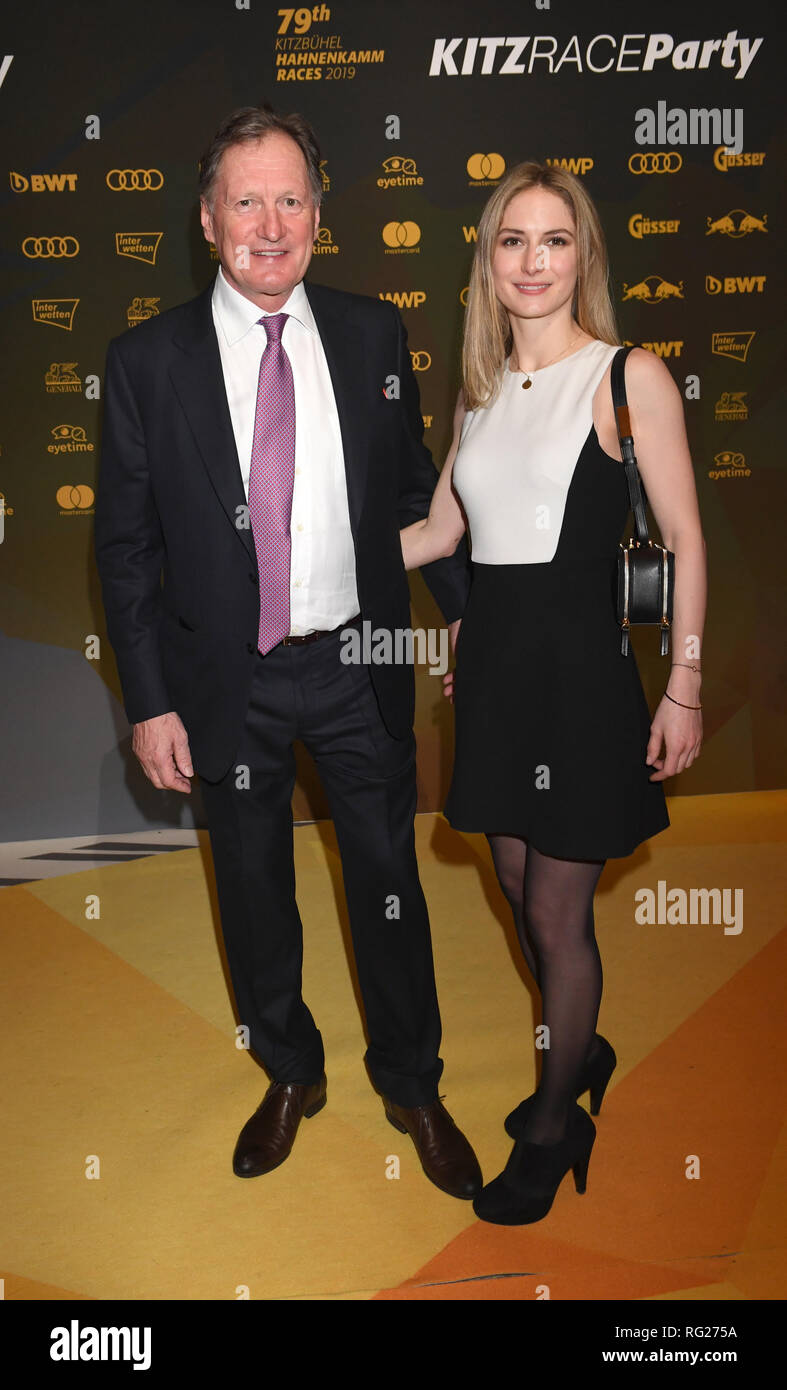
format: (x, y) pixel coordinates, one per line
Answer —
(486, 166)
(421, 361)
(401, 235)
(135, 180)
(655, 162)
(75, 497)
(50, 247)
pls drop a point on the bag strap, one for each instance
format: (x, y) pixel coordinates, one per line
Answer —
(637, 496)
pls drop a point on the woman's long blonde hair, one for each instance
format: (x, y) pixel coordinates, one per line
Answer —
(487, 329)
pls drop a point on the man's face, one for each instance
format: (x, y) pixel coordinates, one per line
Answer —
(262, 221)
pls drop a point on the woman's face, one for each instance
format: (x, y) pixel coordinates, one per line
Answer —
(534, 260)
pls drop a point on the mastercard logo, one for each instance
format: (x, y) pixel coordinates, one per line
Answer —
(397, 234)
(74, 497)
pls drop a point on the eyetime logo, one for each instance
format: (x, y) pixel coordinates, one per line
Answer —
(404, 299)
(656, 162)
(652, 290)
(42, 183)
(142, 307)
(58, 313)
(725, 159)
(138, 246)
(135, 180)
(574, 164)
(399, 172)
(421, 361)
(483, 169)
(50, 247)
(61, 379)
(640, 226)
(401, 237)
(735, 284)
(324, 244)
(75, 498)
(69, 439)
(734, 345)
(731, 405)
(729, 464)
(737, 223)
(695, 126)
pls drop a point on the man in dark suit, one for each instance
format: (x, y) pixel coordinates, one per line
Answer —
(262, 448)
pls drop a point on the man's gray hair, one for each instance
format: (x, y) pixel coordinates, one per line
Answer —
(254, 123)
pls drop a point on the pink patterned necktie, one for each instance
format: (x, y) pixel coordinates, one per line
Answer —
(271, 482)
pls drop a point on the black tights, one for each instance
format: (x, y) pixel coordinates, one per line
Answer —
(552, 903)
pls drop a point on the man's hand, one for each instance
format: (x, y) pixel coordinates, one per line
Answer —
(162, 746)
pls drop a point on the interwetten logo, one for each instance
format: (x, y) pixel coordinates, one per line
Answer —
(737, 223)
(42, 183)
(58, 313)
(138, 246)
(505, 57)
(734, 345)
(50, 247)
(652, 290)
(399, 172)
(135, 180)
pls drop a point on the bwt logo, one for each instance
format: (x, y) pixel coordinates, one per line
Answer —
(42, 183)
(735, 284)
(50, 247)
(401, 236)
(652, 290)
(135, 180)
(657, 162)
(486, 168)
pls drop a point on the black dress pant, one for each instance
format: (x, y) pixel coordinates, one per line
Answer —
(307, 692)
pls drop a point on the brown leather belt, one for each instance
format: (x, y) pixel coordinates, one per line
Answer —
(324, 632)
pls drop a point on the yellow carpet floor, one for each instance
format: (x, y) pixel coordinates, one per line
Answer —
(125, 1091)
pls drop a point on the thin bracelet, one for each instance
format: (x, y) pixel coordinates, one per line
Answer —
(687, 666)
(680, 702)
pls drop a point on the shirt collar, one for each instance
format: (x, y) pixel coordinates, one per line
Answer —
(237, 314)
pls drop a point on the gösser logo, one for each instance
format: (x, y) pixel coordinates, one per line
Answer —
(656, 162)
(45, 247)
(401, 234)
(136, 180)
(421, 361)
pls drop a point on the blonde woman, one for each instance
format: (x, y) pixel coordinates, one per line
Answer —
(557, 759)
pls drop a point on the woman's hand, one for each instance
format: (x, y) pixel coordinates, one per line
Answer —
(439, 533)
(680, 732)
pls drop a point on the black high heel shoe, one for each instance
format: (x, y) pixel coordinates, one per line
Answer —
(525, 1190)
(593, 1077)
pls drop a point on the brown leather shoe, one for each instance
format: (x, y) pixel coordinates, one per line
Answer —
(267, 1138)
(446, 1156)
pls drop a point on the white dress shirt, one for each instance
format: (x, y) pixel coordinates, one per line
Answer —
(323, 587)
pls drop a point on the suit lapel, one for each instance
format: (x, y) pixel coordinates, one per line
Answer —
(199, 382)
(198, 379)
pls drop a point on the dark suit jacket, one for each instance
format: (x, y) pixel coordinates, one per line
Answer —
(179, 576)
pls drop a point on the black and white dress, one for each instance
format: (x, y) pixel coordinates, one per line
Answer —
(552, 724)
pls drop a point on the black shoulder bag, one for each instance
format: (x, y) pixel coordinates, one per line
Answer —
(646, 570)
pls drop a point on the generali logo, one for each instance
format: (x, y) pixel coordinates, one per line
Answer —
(61, 379)
(731, 405)
(142, 307)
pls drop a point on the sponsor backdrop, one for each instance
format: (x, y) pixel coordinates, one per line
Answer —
(668, 113)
